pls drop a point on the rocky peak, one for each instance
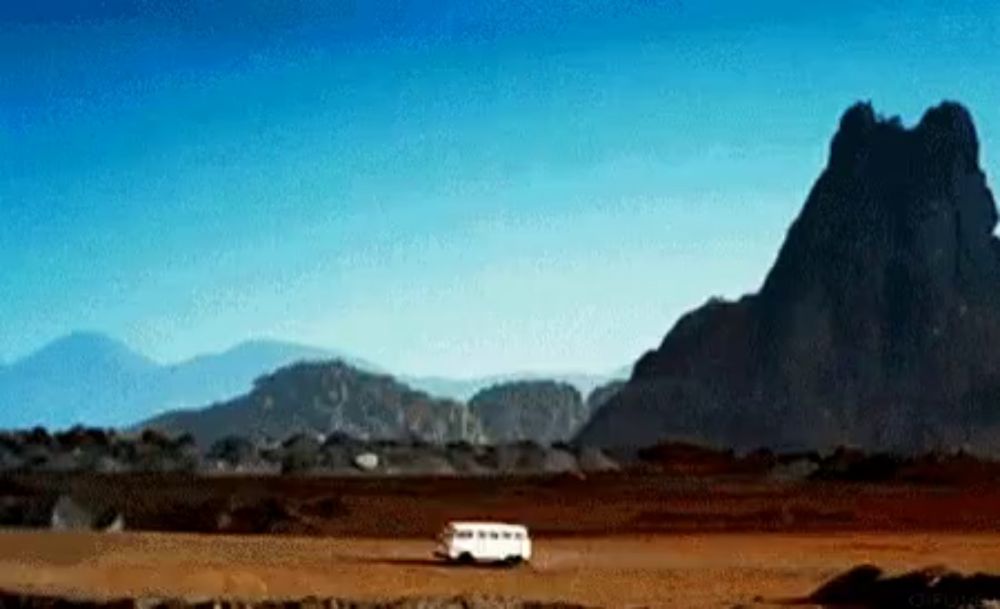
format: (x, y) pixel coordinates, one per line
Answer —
(876, 324)
(945, 132)
(893, 201)
(855, 132)
(948, 132)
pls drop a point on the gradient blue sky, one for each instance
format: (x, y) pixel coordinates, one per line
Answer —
(441, 186)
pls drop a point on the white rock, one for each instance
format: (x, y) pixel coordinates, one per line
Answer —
(366, 461)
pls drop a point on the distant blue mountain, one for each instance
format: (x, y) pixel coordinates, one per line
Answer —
(93, 379)
(207, 378)
(81, 377)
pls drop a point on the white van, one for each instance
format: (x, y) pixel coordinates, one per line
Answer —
(470, 542)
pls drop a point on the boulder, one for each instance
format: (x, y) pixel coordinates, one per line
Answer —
(67, 514)
(367, 462)
(868, 587)
(559, 461)
(594, 460)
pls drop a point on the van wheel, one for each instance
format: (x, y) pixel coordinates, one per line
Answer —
(512, 561)
(465, 558)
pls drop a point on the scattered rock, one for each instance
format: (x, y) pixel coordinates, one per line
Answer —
(594, 460)
(797, 469)
(68, 514)
(233, 450)
(366, 461)
(867, 587)
(557, 461)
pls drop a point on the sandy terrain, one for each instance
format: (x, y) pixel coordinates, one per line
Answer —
(678, 571)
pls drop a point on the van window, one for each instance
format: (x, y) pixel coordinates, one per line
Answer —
(506, 535)
(494, 535)
(481, 535)
(518, 536)
(464, 535)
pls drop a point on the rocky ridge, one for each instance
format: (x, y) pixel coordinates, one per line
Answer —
(336, 398)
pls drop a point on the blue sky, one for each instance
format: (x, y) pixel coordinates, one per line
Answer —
(442, 186)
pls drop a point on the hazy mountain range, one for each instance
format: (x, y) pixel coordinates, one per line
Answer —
(332, 398)
(91, 378)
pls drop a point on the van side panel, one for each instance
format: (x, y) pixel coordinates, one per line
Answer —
(484, 542)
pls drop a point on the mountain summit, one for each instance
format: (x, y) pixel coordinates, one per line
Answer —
(83, 375)
(86, 348)
(877, 326)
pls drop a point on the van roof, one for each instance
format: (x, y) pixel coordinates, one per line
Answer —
(469, 524)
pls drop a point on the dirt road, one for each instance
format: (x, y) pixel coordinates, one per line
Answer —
(681, 571)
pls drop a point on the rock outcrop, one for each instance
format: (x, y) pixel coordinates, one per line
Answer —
(71, 515)
(877, 326)
(868, 587)
(540, 411)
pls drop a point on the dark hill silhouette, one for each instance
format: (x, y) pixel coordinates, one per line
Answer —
(877, 326)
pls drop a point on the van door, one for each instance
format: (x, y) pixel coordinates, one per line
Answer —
(522, 543)
(481, 544)
(495, 544)
(508, 544)
(460, 542)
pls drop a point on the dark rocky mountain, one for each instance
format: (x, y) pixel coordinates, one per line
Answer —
(322, 398)
(877, 326)
(542, 411)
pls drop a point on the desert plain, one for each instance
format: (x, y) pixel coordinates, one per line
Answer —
(621, 541)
